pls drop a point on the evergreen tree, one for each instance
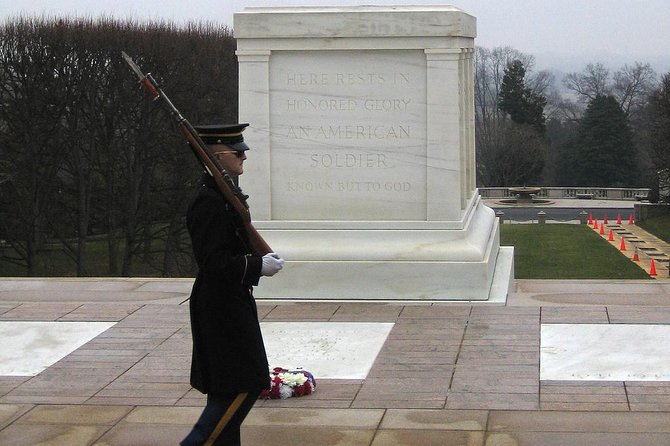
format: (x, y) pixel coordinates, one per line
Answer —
(522, 104)
(605, 153)
(563, 135)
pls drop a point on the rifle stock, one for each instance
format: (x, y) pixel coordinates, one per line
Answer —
(224, 182)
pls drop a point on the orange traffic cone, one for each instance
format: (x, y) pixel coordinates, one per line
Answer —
(622, 247)
(605, 219)
(590, 218)
(595, 224)
(611, 236)
(630, 219)
(652, 270)
(636, 258)
(602, 229)
(618, 219)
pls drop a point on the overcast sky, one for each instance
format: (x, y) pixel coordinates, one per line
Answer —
(557, 32)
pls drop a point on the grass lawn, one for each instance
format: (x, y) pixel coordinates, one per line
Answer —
(659, 226)
(562, 251)
(549, 251)
(53, 261)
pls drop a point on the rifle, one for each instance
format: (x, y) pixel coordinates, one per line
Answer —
(232, 193)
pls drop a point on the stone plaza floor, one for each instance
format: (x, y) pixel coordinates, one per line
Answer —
(440, 373)
(561, 362)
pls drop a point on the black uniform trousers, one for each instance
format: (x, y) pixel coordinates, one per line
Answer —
(220, 421)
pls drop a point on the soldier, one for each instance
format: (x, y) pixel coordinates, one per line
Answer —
(229, 362)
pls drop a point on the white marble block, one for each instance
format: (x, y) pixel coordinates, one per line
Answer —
(362, 170)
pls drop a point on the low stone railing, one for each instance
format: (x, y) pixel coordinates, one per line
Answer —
(600, 193)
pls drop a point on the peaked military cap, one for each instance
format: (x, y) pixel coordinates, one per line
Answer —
(230, 135)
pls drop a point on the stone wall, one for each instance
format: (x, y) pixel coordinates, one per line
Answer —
(645, 211)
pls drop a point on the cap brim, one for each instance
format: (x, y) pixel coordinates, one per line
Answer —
(239, 146)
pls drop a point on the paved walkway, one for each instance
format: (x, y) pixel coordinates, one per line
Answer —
(448, 374)
(638, 245)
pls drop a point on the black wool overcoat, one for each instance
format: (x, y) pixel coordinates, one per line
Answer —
(228, 351)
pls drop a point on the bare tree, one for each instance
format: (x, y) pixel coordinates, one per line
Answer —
(593, 81)
(31, 137)
(630, 85)
(562, 108)
(86, 152)
(521, 157)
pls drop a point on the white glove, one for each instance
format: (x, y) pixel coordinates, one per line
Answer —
(272, 263)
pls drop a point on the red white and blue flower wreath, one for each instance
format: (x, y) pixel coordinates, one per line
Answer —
(286, 383)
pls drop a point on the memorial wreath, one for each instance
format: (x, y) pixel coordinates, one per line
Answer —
(286, 383)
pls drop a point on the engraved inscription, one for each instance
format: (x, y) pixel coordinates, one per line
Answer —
(347, 105)
(350, 132)
(298, 79)
(348, 186)
(348, 160)
(349, 125)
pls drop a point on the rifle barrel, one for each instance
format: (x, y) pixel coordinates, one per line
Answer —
(225, 184)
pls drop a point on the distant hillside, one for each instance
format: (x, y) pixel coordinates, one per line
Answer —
(572, 62)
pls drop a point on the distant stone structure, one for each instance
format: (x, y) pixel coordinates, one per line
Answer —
(362, 173)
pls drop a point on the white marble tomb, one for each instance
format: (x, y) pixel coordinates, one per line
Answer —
(362, 169)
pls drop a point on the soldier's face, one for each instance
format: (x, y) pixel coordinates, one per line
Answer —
(231, 160)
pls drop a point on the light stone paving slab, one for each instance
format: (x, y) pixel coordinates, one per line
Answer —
(136, 434)
(463, 420)
(67, 284)
(352, 418)
(576, 438)
(168, 286)
(10, 412)
(581, 287)
(564, 421)
(428, 438)
(307, 436)
(329, 350)
(27, 348)
(19, 434)
(109, 290)
(79, 415)
(605, 352)
(159, 415)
